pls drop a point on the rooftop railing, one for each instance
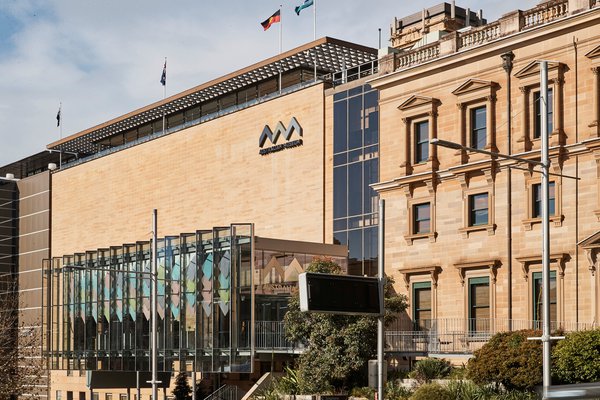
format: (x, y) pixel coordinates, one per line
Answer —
(544, 13)
(454, 42)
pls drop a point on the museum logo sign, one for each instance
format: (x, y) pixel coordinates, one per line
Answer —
(273, 137)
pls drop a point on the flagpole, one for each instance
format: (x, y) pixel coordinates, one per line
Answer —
(164, 98)
(280, 30)
(60, 126)
(280, 43)
(315, 34)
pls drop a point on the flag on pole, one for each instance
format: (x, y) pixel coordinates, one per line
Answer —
(163, 77)
(58, 116)
(306, 4)
(276, 17)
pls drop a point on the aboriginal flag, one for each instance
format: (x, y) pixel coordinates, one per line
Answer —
(276, 17)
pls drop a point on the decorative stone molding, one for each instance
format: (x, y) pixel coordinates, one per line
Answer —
(559, 259)
(491, 265)
(433, 271)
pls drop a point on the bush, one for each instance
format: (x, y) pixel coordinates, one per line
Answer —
(395, 391)
(431, 368)
(510, 360)
(467, 390)
(577, 358)
(432, 391)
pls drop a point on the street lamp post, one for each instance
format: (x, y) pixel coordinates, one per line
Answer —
(544, 163)
(154, 294)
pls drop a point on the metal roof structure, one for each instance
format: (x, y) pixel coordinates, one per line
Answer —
(331, 55)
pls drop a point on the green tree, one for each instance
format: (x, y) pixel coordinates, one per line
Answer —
(182, 389)
(576, 359)
(510, 360)
(337, 347)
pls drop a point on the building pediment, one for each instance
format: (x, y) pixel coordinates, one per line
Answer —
(594, 53)
(473, 85)
(416, 100)
(591, 242)
(533, 69)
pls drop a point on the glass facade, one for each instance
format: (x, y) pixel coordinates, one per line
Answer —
(221, 294)
(356, 166)
(100, 312)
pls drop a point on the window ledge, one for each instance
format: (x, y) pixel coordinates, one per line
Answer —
(490, 228)
(556, 219)
(410, 238)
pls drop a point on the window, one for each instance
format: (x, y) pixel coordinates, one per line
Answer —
(537, 129)
(122, 396)
(421, 141)
(537, 200)
(422, 305)
(478, 127)
(421, 218)
(538, 314)
(479, 304)
(478, 209)
(58, 395)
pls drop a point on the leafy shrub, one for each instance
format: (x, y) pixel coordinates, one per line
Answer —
(467, 390)
(431, 368)
(431, 391)
(577, 358)
(395, 391)
(367, 392)
(510, 360)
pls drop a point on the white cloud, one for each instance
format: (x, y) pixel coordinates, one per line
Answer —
(104, 58)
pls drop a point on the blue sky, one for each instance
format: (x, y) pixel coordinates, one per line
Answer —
(103, 58)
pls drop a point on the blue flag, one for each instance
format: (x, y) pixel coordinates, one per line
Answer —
(306, 4)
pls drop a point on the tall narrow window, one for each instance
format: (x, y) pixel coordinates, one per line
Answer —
(421, 141)
(538, 314)
(479, 304)
(536, 210)
(478, 209)
(421, 218)
(478, 127)
(537, 130)
(422, 310)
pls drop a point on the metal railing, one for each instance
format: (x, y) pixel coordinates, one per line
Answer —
(352, 74)
(225, 392)
(270, 335)
(460, 336)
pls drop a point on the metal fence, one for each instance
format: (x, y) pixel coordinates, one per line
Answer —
(459, 335)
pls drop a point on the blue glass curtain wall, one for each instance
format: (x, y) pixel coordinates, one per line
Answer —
(98, 305)
(356, 166)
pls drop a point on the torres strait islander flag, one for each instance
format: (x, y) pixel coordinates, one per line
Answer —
(276, 17)
(307, 3)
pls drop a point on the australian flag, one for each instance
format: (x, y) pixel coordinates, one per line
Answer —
(163, 77)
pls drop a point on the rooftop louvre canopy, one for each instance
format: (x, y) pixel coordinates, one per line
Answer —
(330, 55)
